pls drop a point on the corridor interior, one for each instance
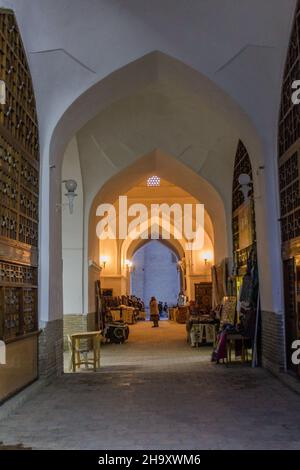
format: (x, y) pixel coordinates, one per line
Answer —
(108, 151)
(155, 392)
(149, 349)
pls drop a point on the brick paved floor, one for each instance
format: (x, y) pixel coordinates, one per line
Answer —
(157, 392)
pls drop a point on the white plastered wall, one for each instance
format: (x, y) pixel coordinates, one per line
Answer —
(246, 61)
(216, 170)
(72, 234)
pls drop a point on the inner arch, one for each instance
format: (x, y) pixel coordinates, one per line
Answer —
(155, 273)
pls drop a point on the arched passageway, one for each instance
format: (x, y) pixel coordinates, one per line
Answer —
(155, 114)
(111, 261)
(155, 273)
(108, 170)
(161, 101)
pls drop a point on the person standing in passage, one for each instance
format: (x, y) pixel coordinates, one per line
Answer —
(154, 313)
(160, 308)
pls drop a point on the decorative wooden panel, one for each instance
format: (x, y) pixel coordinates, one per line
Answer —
(18, 299)
(288, 135)
(21, 366)
(19, 114)
(289, 271)
(242, 164)
(203, 296)
(289, 166)
(289, 120)
(19, 187)
(289, 196)
(242, 256)
(19, 196)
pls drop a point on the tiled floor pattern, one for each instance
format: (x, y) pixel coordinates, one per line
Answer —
(155, 392)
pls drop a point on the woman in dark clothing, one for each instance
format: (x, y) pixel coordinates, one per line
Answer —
(154, 313)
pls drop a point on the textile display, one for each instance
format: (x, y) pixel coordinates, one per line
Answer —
(220, 351)
(229, 309)
(219, 282)
(249, 289)
(247, 319)
(182, 314)
(246, 293)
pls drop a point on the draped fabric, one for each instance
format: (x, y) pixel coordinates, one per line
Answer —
(246, 293)
(249, 288)
(229, 310)
(219, 283)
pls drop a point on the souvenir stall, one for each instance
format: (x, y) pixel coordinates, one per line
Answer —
(201, 328)
(114, 314)
(124, 313)
(202, 324)
(239, 322)
(172, 313)
(180, 312)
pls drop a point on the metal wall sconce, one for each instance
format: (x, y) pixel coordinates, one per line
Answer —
(207, 257)
(70, 186)
(246, 185)
(103, 261)
(129, 265)
(181, 265)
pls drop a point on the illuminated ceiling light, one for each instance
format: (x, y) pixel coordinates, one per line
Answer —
(153, 181)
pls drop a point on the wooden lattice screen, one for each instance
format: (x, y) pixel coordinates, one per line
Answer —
(288, 135)
(242, 164)
(289, 181)
(19, 187)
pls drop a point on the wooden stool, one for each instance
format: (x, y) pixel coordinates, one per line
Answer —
(231, 339)
(76, 357)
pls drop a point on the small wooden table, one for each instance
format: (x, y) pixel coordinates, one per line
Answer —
(88, 335)
(200, 330)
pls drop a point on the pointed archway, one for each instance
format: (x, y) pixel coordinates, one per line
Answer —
(121, 84)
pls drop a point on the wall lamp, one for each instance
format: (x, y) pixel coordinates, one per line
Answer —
(70, 186)
(181, 265)
(129, 265)
(207, 257)
(103, 261)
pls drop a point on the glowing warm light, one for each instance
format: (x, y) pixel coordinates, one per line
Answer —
(128, 263)
(103, 260)
(206, 256)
